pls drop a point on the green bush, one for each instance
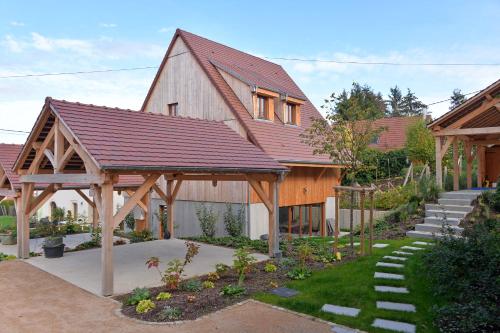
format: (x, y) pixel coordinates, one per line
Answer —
(141, 236)
(145, 306)
(233, 222)
(464, 273)
(192, 285)
(130, 221)
(207, 219)
(163, 296)
(242, 263)
(208, 285)
(231, 290)
(382, 165)
(234, 242)
(4, 257)
(270, 267)
(138, 294)
(169, 313)
(299, 273)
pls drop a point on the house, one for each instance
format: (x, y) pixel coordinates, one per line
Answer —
(393, 136)
(200, 78)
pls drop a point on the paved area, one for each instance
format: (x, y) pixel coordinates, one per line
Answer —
(83, 268)
(34, 301)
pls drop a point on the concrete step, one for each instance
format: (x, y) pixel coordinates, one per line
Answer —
(425, 234)
(461, 202)
(440, 220)
(451, 208)
(445, 213)
(471, 195)
(437, 228)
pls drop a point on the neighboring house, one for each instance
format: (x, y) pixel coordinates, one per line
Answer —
(393, 136)
(200, 78)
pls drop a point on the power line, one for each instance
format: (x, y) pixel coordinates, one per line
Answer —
(79, 72)
(14, 131)
(449, 99)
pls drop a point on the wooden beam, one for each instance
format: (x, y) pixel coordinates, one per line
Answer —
(62, 178)
(134, 199)
(310, 221)
(486, 142)
(85, 197)
(372, 207)
(40, 199)
(50, 156)
(97, 195)
(456, 167)
(58, 147)
(439, 166)
(290, 219)
(300, 221)
(140, 203)
(261, 193)
(177, 187)
(362, 231)
(323, 220)
(108, 226)
(468, 163)
(273, 239)
(170, 208)
(23, 248)
(481, 167)
(311, 165)
(336, 231)
(160, 193)
(468, 131)
(320, 174)
(446, 145)
(40, 153)
(474, 113)
(65, 158)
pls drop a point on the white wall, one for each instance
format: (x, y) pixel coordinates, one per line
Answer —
(259, 220)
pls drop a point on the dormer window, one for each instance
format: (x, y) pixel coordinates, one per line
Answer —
(264, 103)
(173, 109)
(263, 107)
(290, 116)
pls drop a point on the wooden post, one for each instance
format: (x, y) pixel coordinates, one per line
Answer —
(351, 222)
(372, 204)
(439, 166)
(323, 220)
(273, 240)
(300, 221)
(310, 221)
(170, 208)
(362, 236)
(336, 232)
(290, 219)
(23, 224)
(107, 239)
(161, 211)
(19, 222)
(147, 211)
(468, 163)
(456, 168)
(95, 217)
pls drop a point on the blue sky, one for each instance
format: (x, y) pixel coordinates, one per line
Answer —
(56, 36)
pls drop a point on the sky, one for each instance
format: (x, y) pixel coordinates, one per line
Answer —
(54, 36)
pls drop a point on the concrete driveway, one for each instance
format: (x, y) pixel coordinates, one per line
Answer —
(83, 268)
(35, 301)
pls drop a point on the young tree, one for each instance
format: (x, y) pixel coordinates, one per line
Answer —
(411, 105)
(358, 97)
(420, 143)
(395, 102)
(456, 98)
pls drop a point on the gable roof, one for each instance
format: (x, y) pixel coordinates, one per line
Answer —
(281, 142)
(8, 156)
(126, 140)
(394, 134)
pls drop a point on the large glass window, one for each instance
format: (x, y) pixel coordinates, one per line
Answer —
(262, 107)
(302, 220)
(291, 114)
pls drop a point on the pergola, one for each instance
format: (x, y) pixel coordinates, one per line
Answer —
(93, 146)
(475, 123)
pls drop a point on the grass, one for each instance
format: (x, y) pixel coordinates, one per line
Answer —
(7, 222)
(352, 284)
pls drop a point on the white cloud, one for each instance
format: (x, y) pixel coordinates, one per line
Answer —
(12, 44)
(108, 25)
(17, 24)
(166, 29)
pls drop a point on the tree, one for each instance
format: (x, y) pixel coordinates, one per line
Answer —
(420, 143)
(395, 102)
(456, 98)
(411, 105)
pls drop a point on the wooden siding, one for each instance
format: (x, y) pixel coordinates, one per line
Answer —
(302, 186)
(493, 163)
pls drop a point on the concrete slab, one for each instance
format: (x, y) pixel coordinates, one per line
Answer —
(284, 292)
(413, 248)
(403, 253)
(388, 264)
(380, 245)
(340, 310)
(422, 243)
(395, 258)
(396, 306)
(389, 276)
(389, 289)
(396, 326)
(343, 329)
(83, 268)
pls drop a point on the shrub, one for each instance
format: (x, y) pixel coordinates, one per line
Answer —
(208, 285)
(192, 285)
(141, 236)
(138, 294)
(243, 263)
(169, 313)
(299, 273)
(270, 267)
(464, 273)
(233, 222)
(213, 276)
(207, 219)
(234, 242)
(163, 296)
(221, 268)
(4, 257)
(145, 306)
(130, 221)
(231, 290)
(57, 214)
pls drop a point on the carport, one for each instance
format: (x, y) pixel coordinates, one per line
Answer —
(95, 146)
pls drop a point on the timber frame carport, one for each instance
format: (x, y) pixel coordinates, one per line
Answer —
(105, 144)
(476, 123)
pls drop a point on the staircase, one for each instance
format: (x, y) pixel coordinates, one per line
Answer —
(450, 210)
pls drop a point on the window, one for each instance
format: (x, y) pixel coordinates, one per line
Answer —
(262, 107)
(290, 114)
(173, 109)
(375, 140)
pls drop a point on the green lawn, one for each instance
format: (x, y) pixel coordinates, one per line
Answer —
(352, 284)
(7, 221)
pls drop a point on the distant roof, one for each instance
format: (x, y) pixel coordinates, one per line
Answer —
(394, 135)
(119, 139)
(281, 142)
(8, 156)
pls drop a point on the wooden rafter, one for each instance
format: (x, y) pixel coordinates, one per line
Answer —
(61, 178)
(468, 131)
(85, 197)
(40, 199)
(261, 193)
(40, 152)
(473, 114)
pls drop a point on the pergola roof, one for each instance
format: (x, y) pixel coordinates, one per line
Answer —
(124, 140)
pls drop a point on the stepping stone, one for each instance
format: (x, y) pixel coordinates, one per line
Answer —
(380, 275)
(396, 258)
(422, 243)
(389, 289)
(392, 325)
(380, 245)
(403, 253)
(340, 310)
(396, 306)
(342, 329)
(388, 264)
(284, 292)
(356, 243)
(413, 248)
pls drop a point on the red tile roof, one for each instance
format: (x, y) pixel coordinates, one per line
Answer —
(8, 156)
(281, 142)
(394, 135)
(121, 139)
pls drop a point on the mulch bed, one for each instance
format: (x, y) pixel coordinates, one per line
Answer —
(210, 300)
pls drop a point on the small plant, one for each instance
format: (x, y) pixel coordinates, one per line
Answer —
(145, 306)
(141, 236)
(273, 284)
(163, 296)
(4, 257)
(208, 285)
(231, 290)
(243, 263)
(191, 298)
(270, 267)
(287, 263)
(304, 253)
(169, 313)
(119, 242)
(221, 268)
(233, 222)
(130, 221)
(213, 276)
(299, 273)
(192, 286)
(207, 219)
(138, 294)
(57, 214)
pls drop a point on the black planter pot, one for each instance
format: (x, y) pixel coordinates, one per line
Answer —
(54, 251)
(166, 234)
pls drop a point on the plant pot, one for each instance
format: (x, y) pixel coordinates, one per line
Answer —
(53, 241)
(166, 234)
(53, 251)
(8, 239)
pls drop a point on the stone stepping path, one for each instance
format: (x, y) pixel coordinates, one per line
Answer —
(394, 325)
(413, 248)
(340, 310)
(380, 245)
(284, 292)
(388, 264)
(422, 243)
(403, 253)
(395, 258)
(389, 289)
(389, 276)
(342, 329)
(396, 306)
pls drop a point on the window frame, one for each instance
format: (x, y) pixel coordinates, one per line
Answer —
(173, 109)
